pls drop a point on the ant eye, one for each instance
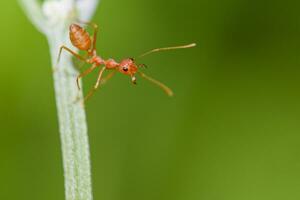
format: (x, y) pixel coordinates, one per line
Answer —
(125, 69)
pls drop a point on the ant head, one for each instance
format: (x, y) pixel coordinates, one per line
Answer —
(128, 67)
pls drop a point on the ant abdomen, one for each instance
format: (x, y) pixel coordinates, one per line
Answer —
(80, 38)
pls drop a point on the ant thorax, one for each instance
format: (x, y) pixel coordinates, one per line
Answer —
(97, 60)
(111, 64)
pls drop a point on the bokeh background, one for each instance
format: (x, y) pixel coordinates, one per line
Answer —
(230, 133)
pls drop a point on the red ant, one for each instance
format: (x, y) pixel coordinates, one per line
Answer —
(81, 39)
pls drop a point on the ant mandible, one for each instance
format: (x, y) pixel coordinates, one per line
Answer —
(82, 40)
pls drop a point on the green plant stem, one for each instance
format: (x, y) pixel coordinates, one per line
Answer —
(73, 128)
(71, 113)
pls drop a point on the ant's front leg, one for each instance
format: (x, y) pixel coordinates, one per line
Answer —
(133, 79)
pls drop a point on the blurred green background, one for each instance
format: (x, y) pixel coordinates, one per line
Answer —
(230, 133)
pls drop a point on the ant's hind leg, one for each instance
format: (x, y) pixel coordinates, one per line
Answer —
(86, 72)
(92, 91)
(70, 51)
(96, 28)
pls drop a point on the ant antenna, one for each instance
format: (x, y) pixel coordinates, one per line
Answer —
(168, 48)
(167, 90)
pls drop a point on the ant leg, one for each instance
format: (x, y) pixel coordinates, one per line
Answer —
(82, 63)
(86, 72)
(109, 76)
(70, 51)
(95, 27)
(166, 89)
(133, 79)
(92, 91)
